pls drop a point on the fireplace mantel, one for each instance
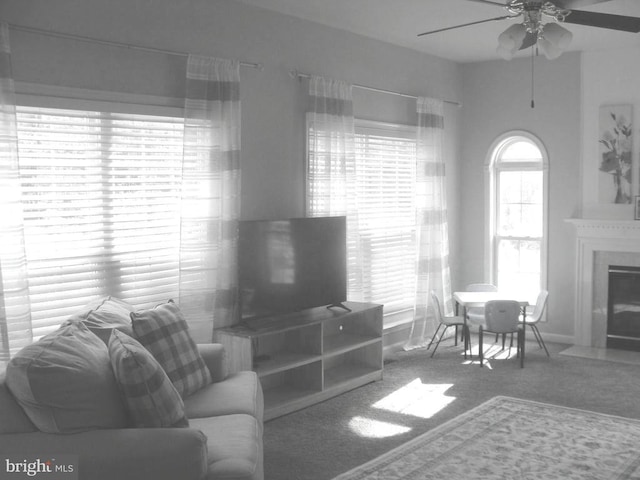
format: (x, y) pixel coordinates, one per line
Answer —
(616, 229)
(595, 235)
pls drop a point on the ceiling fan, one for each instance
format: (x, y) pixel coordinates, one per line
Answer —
(551, 37)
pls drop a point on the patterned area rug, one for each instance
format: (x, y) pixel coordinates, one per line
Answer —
(509, 438)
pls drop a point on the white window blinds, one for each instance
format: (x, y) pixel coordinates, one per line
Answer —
(386, 171)
(101, 206)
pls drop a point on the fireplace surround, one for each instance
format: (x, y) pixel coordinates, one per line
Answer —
(599, 244)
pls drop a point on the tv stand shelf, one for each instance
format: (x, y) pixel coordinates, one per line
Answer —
(306, 357)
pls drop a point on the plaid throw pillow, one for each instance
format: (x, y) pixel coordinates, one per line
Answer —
(150, 397)
(164, 332)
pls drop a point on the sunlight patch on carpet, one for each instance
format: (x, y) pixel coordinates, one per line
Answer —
(419, 399)
(369, 428)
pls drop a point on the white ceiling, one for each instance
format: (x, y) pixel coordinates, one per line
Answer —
(400, 21)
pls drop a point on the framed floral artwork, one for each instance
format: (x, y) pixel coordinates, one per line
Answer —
(615, 160)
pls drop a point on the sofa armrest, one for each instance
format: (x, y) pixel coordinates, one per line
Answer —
(215, 357)
(125, 454)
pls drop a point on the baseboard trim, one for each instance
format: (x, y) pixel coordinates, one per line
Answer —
(555, 338)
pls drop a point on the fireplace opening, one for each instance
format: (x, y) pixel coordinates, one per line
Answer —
(623, 310)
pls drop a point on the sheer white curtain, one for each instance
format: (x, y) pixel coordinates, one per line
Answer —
(431, 222)
(15, 313)
(210, 195)
(331, 169)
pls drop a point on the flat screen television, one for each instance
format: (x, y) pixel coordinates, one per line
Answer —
(291, 265)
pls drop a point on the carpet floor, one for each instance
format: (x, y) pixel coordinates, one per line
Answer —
(418, 393)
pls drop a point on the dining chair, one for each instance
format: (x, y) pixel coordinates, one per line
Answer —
(444, 321)
(532, 319)
(475, 315)
(501, 317)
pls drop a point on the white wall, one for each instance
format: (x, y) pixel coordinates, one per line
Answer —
(609, 78)
(497, 98)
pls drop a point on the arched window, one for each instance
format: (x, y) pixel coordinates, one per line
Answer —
(517, 206)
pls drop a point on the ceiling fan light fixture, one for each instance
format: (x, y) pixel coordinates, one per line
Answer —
(511, 39)
(557, 35)
(505, 53)
(549, 50)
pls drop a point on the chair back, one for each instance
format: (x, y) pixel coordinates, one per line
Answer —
(502, 316)
(436, 306)
(481, 287)
(541, 304)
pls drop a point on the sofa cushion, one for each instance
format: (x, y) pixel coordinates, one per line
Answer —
(151, 398)
(102, 316)
(240, 392)
(14, 420)
(164, 332)
(65, 384)
(109, 301)
(235, 449)
(215, 358)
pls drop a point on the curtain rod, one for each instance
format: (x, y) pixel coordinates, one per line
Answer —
(110, 43)
(297, 74)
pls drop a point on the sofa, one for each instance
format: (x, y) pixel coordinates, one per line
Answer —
(210, 430)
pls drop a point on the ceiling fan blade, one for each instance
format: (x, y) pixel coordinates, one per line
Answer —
(569, 4)
(604, 20)
(466, 25)
(488, 2)
(530, 40)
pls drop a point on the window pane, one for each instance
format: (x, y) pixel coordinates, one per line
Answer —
(521, 151)
(386, 215)
(520, 203)
(100, 198)
(519, 266)
(389, 267)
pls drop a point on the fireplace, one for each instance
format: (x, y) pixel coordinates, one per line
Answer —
(623, 308)
(600, 245)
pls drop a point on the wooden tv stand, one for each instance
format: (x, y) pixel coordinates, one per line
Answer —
(306, 357)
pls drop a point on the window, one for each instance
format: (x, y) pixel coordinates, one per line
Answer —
(101, 195)
(518, 205)
(386, 171)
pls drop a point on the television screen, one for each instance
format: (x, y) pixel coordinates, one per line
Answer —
(291, 265)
